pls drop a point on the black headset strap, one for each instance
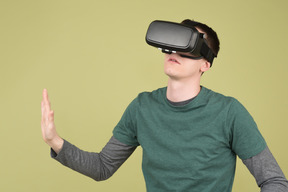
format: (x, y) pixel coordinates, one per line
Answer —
(207, 53)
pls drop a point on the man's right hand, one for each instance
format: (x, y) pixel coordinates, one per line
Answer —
(49, 133)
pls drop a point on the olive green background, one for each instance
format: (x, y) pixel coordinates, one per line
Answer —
(93, 59)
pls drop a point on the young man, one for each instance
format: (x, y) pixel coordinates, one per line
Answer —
(190, 135)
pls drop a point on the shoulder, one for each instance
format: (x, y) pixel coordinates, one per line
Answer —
(150, 96)
(228, 104)
(153, 93)
(216, 97)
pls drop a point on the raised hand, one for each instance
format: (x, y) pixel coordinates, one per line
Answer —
(49, 132)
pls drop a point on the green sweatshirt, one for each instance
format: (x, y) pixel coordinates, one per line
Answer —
(191, 147)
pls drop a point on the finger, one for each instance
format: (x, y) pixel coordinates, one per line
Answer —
(45, 96)
(45, 108)
(42, 110)
(46, 100)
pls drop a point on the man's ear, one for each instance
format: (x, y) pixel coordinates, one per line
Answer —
(205, 66)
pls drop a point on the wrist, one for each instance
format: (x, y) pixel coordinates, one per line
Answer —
(56, 144)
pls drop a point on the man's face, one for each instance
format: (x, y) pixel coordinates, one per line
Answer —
(178, 67)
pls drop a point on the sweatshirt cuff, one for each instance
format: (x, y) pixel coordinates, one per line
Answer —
(58, 156)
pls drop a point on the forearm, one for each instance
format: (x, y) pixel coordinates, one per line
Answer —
(267, 172)
(98, 166)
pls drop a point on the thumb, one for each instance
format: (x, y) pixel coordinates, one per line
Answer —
(51, 116)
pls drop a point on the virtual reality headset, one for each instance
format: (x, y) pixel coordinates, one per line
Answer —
(178, 38)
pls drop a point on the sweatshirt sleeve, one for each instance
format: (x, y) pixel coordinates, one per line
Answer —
(267, 172)
(98, 166)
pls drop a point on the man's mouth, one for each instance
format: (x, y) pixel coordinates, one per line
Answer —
(173, 60)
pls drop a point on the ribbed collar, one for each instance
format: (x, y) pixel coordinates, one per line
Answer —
(199, 100)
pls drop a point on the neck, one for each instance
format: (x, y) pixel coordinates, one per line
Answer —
(180, 91)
